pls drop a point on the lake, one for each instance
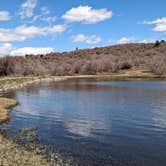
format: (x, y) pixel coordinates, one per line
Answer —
(97, 123)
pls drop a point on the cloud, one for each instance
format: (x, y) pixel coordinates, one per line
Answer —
(9, 49)
(160, 24)
(45, 10)
(44, 16)
(124, 40)
(87, 15)
(31, 50)
(5, 49)
(26, 10)
(24, 32)
(49, 19)
(93, 39)
(147, 41)
(4, 16)
(157, 21)
(54, 29)
(110, 41)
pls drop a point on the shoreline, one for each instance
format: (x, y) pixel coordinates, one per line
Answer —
(12, 83)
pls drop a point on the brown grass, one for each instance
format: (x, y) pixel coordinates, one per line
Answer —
(5, 105)
(12, 154)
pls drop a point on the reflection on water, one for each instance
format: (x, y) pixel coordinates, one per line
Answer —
(97, 123)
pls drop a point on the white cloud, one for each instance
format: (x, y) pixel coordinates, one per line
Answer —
(4, 16)
(9, 49)
(160, 24)
(93, 39)
(49, 19)
(5, 49)
(124, 40)
(86, 14)
(31, 50)
(147, 41)
(160, 28)
(157, 21)
(45, 10)
(44, 16)
(24, 32)
(36, 17)
(54, 29)
(111, 41)
(26, 10)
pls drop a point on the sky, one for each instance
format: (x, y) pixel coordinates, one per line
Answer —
(40, 26)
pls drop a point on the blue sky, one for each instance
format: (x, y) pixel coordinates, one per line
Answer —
(36, 26)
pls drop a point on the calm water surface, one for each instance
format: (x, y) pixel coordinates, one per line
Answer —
(97, 123)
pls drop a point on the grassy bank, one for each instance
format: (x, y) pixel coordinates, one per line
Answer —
(12, 154)
(5, 105)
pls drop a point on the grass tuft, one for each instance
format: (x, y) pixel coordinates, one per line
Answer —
(5, 105)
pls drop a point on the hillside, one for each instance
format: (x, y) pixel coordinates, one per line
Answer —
(109, 59)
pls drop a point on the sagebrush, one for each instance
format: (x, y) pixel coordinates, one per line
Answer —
(88, 61)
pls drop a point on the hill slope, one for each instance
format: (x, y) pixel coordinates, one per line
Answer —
(89, 61)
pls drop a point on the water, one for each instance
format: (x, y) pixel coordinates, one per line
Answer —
(97, 123)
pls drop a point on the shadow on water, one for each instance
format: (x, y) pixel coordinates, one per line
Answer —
(97, 123)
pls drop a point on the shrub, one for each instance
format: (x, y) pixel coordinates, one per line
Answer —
(88, 61)
(157, 44)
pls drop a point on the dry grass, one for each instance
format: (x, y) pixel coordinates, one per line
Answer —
(7, 83)
(12, 154)
(5, 105)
